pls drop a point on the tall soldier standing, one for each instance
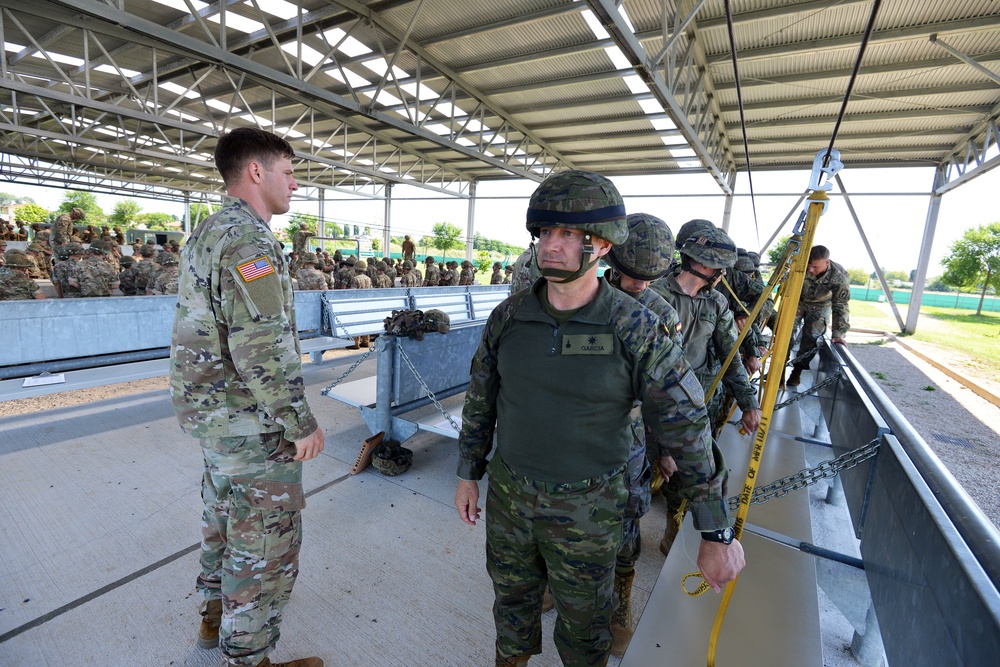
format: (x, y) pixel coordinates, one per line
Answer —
(236, 384)
(557, 490)
(826, 293)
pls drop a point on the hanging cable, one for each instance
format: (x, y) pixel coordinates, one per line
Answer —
(854, 75)
(743, 123)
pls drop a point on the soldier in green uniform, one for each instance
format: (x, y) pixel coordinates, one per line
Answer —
(709, 333)
(556, 375)
(496, 278)
(236, 384)
(824, 303)
(432, 276)
(409, 278)
(15, 279)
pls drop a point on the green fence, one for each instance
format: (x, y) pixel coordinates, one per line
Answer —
(939, 299)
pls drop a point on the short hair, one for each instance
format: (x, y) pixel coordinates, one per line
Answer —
(242, 146)
(819, 252)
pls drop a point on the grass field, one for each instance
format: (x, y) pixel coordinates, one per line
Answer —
(976, 336)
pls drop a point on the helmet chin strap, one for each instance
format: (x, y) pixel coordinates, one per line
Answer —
(562, 276)
(686, 265)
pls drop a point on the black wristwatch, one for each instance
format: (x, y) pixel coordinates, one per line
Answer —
(724, 536)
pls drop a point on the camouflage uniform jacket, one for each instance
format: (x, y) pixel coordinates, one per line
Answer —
(310, 279)
(709, 334)
(592, 369)
(166, 280)
(409, 279)
(145, 275)
(382, 281)
(496, 278)
(343, 278)
(15, 286)
(467, 277)
(361, 281)
(235, 367)
(95, 275)
(390, 271)
(831, 289)
(453, 278)
(432, 276)
(747, 290)
(61, 273)
(525, 270)
(126, 282)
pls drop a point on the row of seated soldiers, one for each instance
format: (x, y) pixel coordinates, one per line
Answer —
(76, 272)
(64, 230)
(320, 271)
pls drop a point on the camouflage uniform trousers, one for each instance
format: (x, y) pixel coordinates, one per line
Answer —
(815, 320)
(567, 534)
(251, 536)
(638, 475)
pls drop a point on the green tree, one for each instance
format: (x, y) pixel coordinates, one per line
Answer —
(974, 260)
(85, 200)
(484, 262)
(201, 211)
(446, 236)
(124, 213)
(858, 276)
(376, 245)
(6, 199)
(163, 221)
(300, 220)
(778, 249)
(347, 231)
(29, 213)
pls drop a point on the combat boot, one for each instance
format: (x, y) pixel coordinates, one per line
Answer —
(517, 661)
(669, 533)
(301, 662)
(795, 379)
(211, 618)
(621, 617)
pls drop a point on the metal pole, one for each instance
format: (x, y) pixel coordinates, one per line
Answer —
(321, 211)
(913, 312)
(471, 224)
(387, 220)
(727, 212)
(871, 253)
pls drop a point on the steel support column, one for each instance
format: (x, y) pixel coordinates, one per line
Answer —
(871, 254)
(913, 312)
(470, 226)
(387, 220)
(727, 212)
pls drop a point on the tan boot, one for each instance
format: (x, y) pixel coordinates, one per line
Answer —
(211, 618)
(516, 661)
(669, 533)
(547, 602)
(621, 617)
(795, 379)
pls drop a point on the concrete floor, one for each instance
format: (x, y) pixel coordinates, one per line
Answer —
(99, 530)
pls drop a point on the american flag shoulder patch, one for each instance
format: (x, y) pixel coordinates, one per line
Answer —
(255, 268)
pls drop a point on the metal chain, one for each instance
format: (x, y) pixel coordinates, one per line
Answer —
(326, 390)
(809, 476)
(798, 397)
(336, 321)
(427, 390)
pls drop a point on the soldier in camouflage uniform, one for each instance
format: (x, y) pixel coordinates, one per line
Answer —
(15, 280)
(826, 293)
(409, 278)
(168, 276)
(409, 249)
(361, 281)
(525, 270)
(381, 279)
(126, 279)
(497, 277)
(345, 273)
(62, 230)
(69, 255)
(309, 277)
(508, 271)
(709, 333)
(236, 384)
(145, 269)
(467, 276)
(432, 276)
(300, 239)
(43, 260)
(94, 275)
(390, 270)
(646, 256)
(557, 489)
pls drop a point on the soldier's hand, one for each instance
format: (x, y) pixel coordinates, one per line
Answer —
(839, 340)
(667, 467)
(720, 563)
(467, 501)
(741, 321)
(310, 446)
(752, 364)
(751, 420)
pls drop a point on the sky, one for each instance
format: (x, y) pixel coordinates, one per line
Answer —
(894, 225)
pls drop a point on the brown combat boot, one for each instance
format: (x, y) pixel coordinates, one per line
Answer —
(547, 602)
(301, 662)
(621, 617)
(211, 618)
(795, 379)
(669, 533)
(517, 661)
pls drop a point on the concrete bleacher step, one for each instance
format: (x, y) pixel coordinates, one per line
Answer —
(773, 617)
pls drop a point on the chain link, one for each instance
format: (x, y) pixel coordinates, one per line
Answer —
(427, 390)
(326, 390)
(809, 476)
(798, 397)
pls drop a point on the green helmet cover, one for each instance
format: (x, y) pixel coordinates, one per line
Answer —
(649, 250)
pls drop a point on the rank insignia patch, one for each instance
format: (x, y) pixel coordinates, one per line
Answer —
(254, 269)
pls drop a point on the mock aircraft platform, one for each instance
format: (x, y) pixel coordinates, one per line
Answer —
(99, 550)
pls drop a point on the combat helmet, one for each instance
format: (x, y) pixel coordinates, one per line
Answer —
(437, 320)
(166, 258)
(581, 200)
(147, 251)
(361, 265)
(755, 258)
(407, 265)
(351, 260)
(100, 246)
(648, 252)
(309, 258)
(18, 259)
(690, 228)
(743, 261)
(712, 248)
(428, 260)
(391, 458)
(127, 261)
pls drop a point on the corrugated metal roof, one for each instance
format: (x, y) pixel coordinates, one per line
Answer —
(537, 75)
